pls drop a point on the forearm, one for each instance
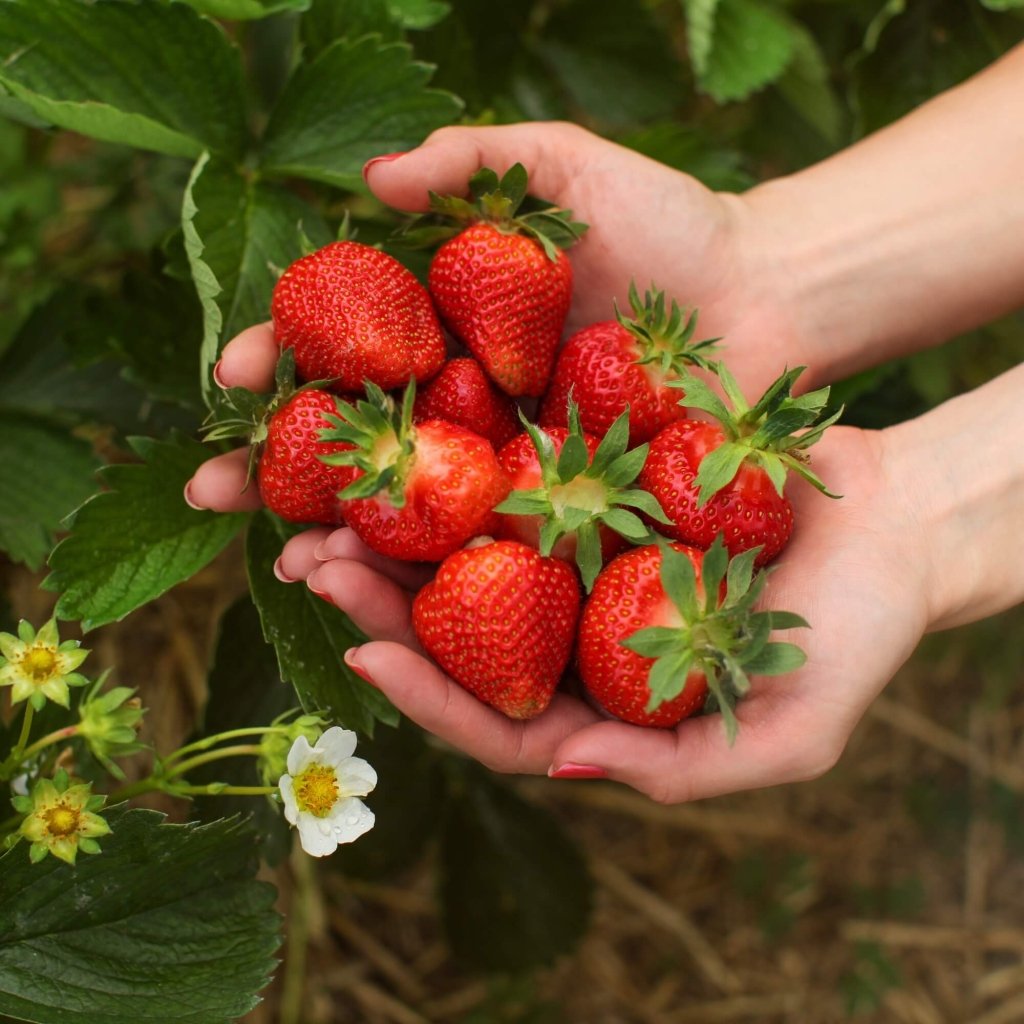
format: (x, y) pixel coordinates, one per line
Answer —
(907, 238)
(960, 470)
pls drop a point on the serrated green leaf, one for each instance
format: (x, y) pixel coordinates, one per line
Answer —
(418, 14)
(358, 99)
(239, 235)
(700, 32)
(326, 21)
(137, 539)
(588, 553)
(645, 501)
(626, 468)
(668, 676)
(787, 620)
(807, 87)
(243, 10)
(47, 474)
(679, 581)
(165, 926)
(739, 575)
(310, 637)
(515, 891)
(654, 641)
(152, 75)
(697, 394)
(526, 503)
(753, 44)
(627, 524)
(714, 564)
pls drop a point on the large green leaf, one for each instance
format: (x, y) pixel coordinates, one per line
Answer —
(612, 59)
(166, 925)
(153, 75)
(751, 45)
(515, 890)
(239, 235)
(358, 99)
(47, 474)
(238, 10)
(326, 21)
(310, 637)
(136, 540)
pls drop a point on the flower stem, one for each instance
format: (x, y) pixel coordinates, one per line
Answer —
(49, 739)
(211, 741)
(293, 988)
(152, 784)
(17, 755)
(214, 755)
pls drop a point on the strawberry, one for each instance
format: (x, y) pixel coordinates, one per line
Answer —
(625, 364)
(353, 313)
(500, 619)
(461, 393)
(571, 496)
(502, 284)
(728, 477)
(294, 483)
(283, 429)
(667, 625)
(419, 492)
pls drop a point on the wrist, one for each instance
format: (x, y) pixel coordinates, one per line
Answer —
(959, 471)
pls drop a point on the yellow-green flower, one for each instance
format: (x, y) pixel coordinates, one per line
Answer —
(61, 819)
(38, 667)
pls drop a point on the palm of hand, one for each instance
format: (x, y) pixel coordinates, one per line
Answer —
(791, 727)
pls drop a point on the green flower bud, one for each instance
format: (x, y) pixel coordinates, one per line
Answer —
(110, 723)
(274, 746)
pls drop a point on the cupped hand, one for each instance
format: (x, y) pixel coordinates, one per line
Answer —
(853, 570)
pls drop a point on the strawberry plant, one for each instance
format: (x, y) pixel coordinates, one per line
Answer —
(163, 164)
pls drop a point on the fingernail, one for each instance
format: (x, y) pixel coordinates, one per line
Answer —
(216, 374)
(350, 660)
(320, 552)
(189, 500)
(280, 573)
(312, 584)
(570, 770)
(384, 158)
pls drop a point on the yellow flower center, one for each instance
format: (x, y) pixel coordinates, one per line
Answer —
(62, 820)
(39, 663)
(316, 790)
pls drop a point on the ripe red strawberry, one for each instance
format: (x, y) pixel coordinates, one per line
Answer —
(294, 483)
(500, 619)
(626, 363)
(728, 477)
(571, 496)
(461, 393)
(419, 492)
(502, 285)
(666, 625)
(353, 313)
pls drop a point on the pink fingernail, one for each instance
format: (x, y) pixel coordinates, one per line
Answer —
(570, 770)
(280, 573)
(384, 158)
(216, 374)
(322, 594)
(189, 500)
(320, 552)
(350, 660)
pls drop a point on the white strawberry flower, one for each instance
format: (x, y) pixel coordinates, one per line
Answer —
(321, 791)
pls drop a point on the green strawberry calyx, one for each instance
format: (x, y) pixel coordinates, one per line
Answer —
(664, 336)
(764, 435)
(579, 493)
(383, 441)
(721, 636)
(504, 203)
(248, 413)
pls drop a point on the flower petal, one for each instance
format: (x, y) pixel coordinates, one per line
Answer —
(291, 805)
(11, 647)
(336, 744)
(351, 819)
(299, 756)
(356, 777)
(314, 841)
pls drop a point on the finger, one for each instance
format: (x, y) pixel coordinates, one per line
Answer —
(377, 605)
(298, 556)
(222, 483)
(444, 163)
(345, 544)
(248, 359)
(422, 692)
(780, 741)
